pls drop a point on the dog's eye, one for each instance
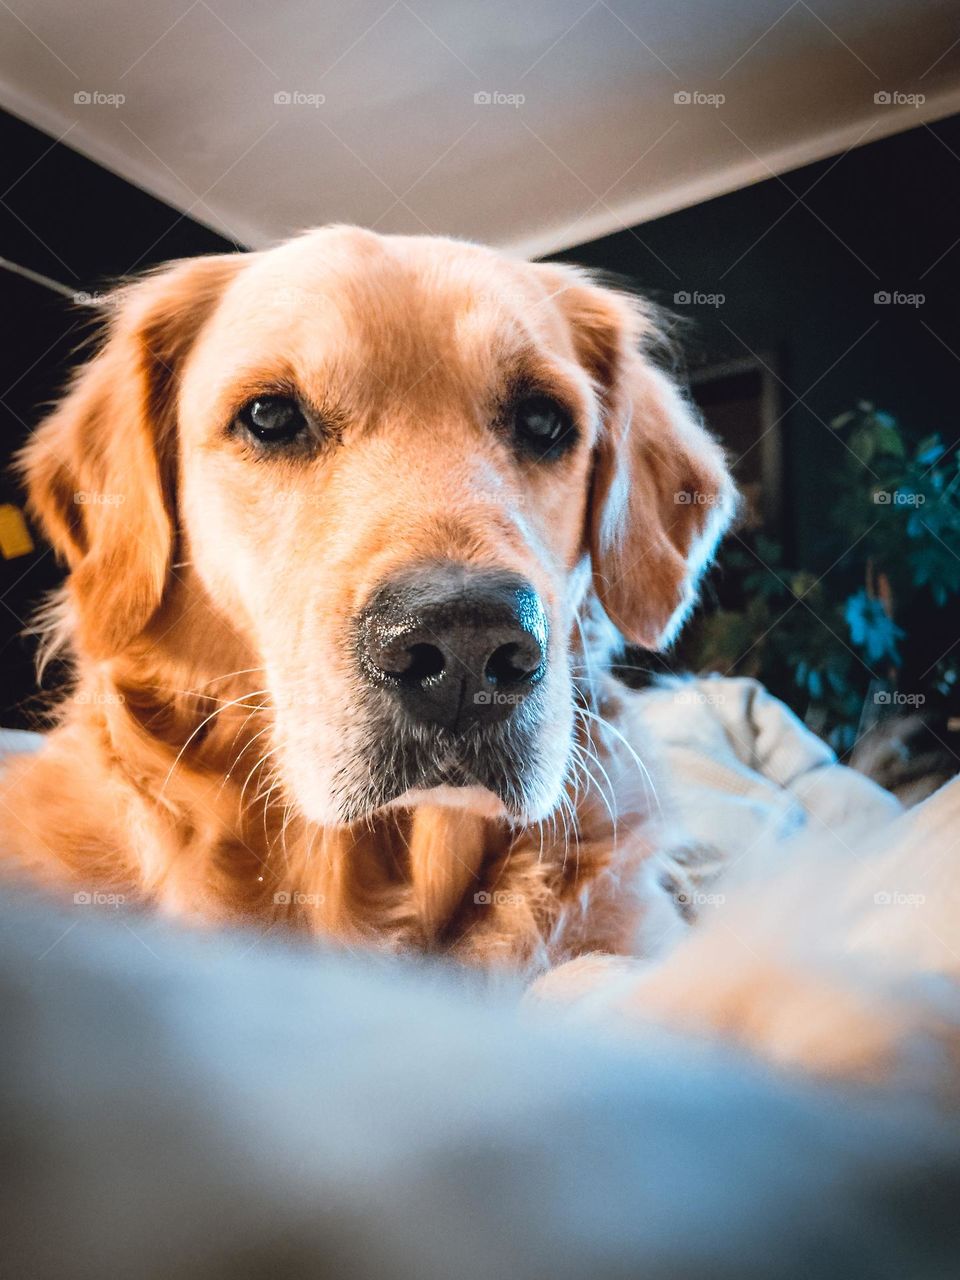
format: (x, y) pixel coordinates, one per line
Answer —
(543, 426)
(273, 419)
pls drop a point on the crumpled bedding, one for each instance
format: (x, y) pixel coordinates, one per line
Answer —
(739, 769)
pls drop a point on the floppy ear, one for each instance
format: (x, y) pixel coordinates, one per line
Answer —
(661, 495)
(101, 469)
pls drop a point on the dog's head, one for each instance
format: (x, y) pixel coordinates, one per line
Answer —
(386, 474)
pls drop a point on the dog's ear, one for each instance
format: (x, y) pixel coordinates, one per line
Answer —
(661, 495)
(101, 469)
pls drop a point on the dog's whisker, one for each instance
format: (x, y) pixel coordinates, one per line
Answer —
(258, 765)
(275, 785)
(231, 675)
(644, 771)
(621, 666)
(609, 800)
(208, 697)
(240, 754)
(286, 818)
(199, 729)
(568, 817)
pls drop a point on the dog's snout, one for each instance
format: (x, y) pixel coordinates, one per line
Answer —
(453, 645)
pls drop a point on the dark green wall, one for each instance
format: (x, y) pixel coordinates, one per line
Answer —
(799, 280)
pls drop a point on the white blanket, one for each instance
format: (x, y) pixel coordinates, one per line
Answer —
(740, 770)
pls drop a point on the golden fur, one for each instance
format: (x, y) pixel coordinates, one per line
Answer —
(199, 758)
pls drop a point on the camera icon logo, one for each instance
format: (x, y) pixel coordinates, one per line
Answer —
(882, 98)
(483, 898)
(282, 98)
(283, 898)
(83, 898)
(681, 299)
(683, 97)
(82, 98)
(482, 99)
(882, 299)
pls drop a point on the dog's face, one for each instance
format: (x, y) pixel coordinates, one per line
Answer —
(394, 469)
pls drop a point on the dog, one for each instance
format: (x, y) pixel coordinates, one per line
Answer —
(352, 528)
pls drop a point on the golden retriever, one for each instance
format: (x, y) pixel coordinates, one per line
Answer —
(351, 525)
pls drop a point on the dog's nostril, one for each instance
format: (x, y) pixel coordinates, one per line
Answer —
(426, 660)
(513, 662)
(411, 663)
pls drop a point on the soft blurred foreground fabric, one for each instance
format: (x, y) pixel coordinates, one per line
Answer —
(185, 1105)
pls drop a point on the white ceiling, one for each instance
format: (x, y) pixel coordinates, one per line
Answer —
(398, 142)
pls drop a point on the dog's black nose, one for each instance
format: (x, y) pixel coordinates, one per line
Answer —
(454, 645)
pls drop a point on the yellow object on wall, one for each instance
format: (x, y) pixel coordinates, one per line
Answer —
(15, 537)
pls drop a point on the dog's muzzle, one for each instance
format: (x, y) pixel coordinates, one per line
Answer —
(453, 646)
(453, 688)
